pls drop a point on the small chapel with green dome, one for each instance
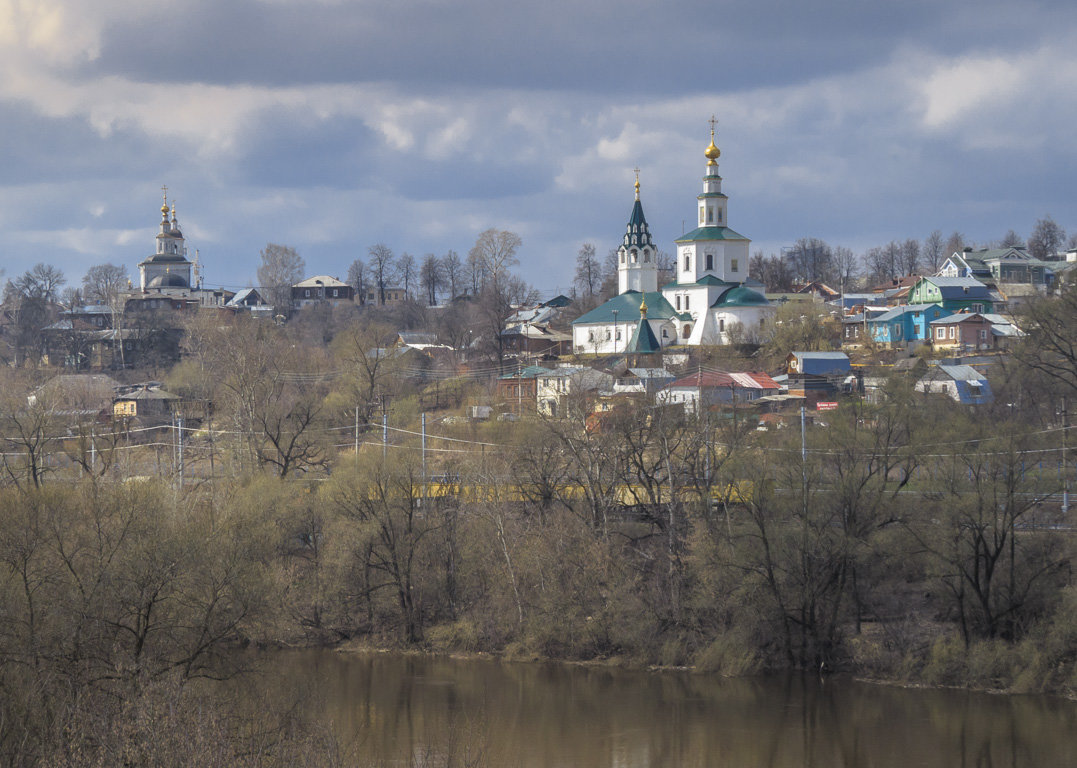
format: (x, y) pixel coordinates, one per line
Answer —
(705, 301)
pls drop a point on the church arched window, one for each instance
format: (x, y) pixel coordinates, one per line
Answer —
(687, 263)
(710, 261)
(687, 332)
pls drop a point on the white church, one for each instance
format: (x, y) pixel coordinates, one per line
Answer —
(705, 302)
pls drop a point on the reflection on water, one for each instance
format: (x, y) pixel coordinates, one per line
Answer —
(399, 708)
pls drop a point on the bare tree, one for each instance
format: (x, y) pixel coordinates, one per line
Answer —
(281, 268)
(405, 267)
(955, 243)
(495, 251)
(453, 272)
(1011, 240)
(847, 266)
(430, 277)
(1046, 239)
(932, 251)
(381, 264)
(910, 256)
(883, 262)
(588, 270)
(357, 279)
(102, 282)
(42, 282)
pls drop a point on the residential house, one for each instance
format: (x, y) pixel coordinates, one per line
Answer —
(536, 339)
(961, 383)
(1000, 265)
(556, 388)
(905, 325)
(963, 331)
(966, 263)
(519, 390)
(819, 291)
(643, 380)
(147, 402)
(706, 389)
(394, 294)
(321, 288)
(817, 375)
(955, 294)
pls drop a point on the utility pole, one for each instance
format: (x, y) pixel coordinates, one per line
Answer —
(384, 434)
(803, 462)
(357, 430)
(1065, 469)
(424, 455)
(179, 437)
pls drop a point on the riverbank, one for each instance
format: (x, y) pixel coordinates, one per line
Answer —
(994, 668)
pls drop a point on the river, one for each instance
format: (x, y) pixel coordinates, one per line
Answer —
(397, 710)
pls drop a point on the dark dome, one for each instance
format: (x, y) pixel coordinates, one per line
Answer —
(168, 281)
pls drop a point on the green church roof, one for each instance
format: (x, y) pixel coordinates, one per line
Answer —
(627, 307)
(741, 297)
(710, 233)
(643, 340)
(705, 280)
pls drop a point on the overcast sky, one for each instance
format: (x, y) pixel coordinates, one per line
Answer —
(332, 125)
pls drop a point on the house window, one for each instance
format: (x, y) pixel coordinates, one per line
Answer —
(336, 292)
(306, 293)
(733, 265)
(710, 261)
(953, 332)
(977, 308)
(897, 333)
(983, 334)
(940, 333)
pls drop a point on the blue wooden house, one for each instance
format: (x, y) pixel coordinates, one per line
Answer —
(905, 324)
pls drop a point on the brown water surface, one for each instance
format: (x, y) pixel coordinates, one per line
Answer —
(397, 709)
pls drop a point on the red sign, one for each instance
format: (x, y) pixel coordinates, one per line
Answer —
(825, 405)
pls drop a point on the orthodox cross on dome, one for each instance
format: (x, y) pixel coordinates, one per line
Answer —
(636, 169)
(713, 121)
(164, 200)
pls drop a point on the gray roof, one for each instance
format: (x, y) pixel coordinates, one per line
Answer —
(897, 312)
(962, 373)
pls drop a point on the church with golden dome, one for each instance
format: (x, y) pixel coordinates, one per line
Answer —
(168, 270)
(705, 303)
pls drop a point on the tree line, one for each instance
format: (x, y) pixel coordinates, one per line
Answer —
(813, 259)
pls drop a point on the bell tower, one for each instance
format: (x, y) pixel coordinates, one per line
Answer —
(637, 266)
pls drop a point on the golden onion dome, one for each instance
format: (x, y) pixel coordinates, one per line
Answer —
(712, 153)
(643, 308)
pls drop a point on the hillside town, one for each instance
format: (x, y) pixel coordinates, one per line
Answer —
(705, 325)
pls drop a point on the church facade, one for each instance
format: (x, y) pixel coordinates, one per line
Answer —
(708, 298)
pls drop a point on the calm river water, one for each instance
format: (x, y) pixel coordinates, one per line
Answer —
(399, 708)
